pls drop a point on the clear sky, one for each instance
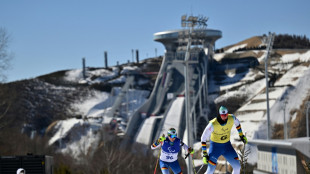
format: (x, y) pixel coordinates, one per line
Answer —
(48, 36)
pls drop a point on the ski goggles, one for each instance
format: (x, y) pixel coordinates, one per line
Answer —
(172, 133)
(223, 115)
(172, 136)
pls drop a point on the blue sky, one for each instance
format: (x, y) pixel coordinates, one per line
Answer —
(48, 36)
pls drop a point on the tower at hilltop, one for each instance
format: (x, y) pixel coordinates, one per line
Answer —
(188, 56)
(175, 40)
(181, 88)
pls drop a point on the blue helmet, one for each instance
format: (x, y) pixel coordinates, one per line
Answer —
(172, 133)
(223, 110)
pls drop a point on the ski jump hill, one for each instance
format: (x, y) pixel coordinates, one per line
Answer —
(165, 106)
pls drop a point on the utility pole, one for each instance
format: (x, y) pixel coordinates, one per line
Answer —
(84, 68)
(106, 59)
(307, 118)
(284, 121)
(137, 55)
(132, 53)
(269, 47)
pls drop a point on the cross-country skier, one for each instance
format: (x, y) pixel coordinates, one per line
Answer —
(218, 132)
(170, 147)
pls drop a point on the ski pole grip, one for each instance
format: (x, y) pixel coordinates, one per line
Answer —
(186, 155)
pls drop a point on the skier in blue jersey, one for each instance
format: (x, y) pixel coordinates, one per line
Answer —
(218, 132)
(170, 147)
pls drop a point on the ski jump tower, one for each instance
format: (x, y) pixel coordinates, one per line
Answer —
(179, 96)
(193, 48)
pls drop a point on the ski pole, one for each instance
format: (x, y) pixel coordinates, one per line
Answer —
(192, 161)
(193, 164)
(157, 160)
(200, 168)
(244, 155)
(243, 158)
(186, 155)
(158, 157)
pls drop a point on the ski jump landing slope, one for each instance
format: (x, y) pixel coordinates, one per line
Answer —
(174, 117)
(158, 125)
(170, 80)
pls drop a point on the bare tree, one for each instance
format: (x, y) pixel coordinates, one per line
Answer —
(2, 124)
(5, 56)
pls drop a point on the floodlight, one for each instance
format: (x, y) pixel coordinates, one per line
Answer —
(183, 20)
(190, 18)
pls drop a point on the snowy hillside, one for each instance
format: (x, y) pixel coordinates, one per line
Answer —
(76, 136)
(231, 81)
(291, 85)
(73, 111)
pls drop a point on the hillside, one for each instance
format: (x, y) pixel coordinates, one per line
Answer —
(32, 105)
(247, 86)
(66, 112)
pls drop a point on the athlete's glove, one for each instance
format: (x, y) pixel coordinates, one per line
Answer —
(205, 158)
(161, 139)
(244, 139)
(190, 150)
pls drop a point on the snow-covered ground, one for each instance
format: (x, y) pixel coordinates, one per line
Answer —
(230, 50)
(77, 136)
(292, 86)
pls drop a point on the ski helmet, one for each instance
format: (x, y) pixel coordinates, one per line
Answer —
(21, 171)
(172, 133)
(223, 110)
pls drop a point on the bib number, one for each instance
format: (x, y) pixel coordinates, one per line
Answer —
(169, 157)
(224, 137)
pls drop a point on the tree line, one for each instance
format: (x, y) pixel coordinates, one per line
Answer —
(291, 41)
(283, 41)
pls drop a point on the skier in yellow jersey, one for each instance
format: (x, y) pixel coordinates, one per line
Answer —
(218, 132)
